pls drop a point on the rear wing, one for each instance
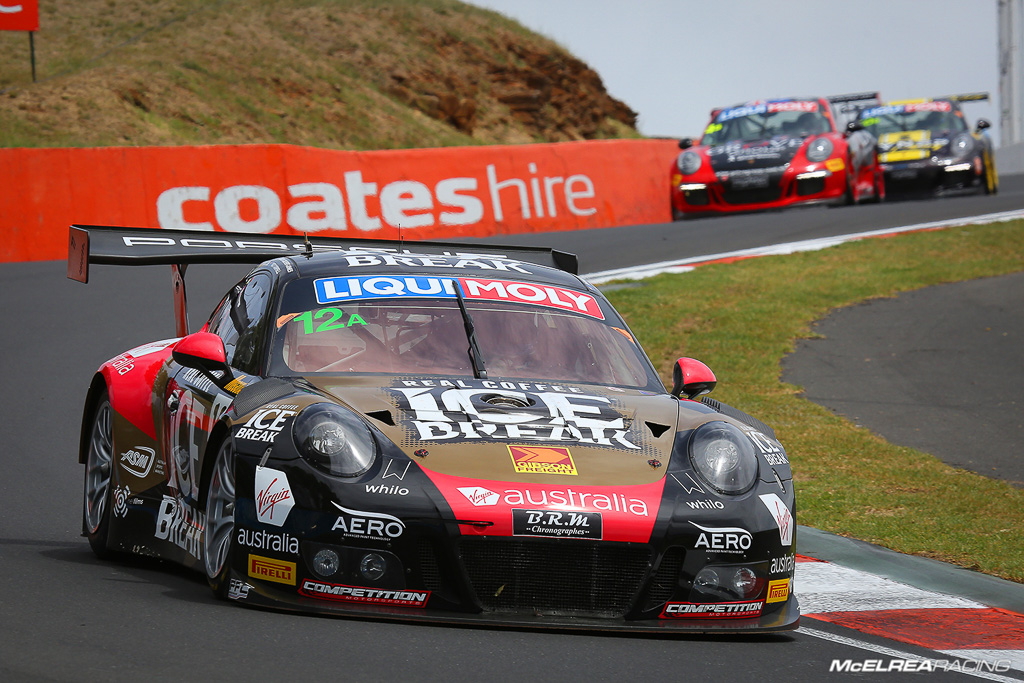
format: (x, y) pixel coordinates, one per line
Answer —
(851, 104)
(88, 244)
(968, 97)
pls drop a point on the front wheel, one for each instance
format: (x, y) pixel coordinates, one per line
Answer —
(218, 541)
(98, 465)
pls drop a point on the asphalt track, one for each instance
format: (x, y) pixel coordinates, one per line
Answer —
(67, 616)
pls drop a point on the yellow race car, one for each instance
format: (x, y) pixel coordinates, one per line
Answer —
(927, 147)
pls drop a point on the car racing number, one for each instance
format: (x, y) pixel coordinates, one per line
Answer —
(193, 404)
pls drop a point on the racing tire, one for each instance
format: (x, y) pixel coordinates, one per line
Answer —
(218, 540)
(99, 464)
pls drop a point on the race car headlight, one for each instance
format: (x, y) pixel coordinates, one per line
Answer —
(333, 440)
(961, 146)
(819, 149)
(723, 457)
(688, 163)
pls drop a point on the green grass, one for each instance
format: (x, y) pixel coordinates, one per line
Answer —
(743, 318)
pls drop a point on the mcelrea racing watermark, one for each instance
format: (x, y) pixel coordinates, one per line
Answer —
(916, 665)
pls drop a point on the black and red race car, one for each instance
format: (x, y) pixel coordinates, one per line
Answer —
(428, 431)
(770, 154)
(926, 146)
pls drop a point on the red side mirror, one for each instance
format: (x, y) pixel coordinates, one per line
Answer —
(691, 378)
(204, 351)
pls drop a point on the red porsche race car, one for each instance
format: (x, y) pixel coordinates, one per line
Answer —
(771, 154)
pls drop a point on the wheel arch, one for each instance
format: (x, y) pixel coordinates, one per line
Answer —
(97, 387)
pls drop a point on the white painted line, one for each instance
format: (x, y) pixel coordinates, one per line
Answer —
(900, 654)
(827, 587)
(688, 264)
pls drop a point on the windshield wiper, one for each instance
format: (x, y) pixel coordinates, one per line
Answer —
(479, 369)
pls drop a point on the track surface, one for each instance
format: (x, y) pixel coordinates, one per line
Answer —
(67, 616)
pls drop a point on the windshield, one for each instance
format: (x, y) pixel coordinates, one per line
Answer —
(419, 335)
(937, 117)
(751, 123)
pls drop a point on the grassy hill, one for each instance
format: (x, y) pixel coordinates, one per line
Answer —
(341, 74)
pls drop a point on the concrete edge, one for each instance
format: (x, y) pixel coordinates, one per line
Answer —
(920, 572)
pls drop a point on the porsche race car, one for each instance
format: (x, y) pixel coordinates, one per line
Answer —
(777, 153)
(926, 146)
(429, 432)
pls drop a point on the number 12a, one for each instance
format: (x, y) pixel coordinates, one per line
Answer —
(335, 320)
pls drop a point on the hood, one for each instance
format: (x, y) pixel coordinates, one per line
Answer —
(909, 145)
(770, 153)
(519, 431)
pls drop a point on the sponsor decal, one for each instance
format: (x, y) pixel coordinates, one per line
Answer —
(396, 469)
(557, 523)
(835, 165)
(120, 496)
(706, 504)
(124, 363)
(714, 610)
(362, 524)
(138, 461)
(692, 487)
(783, 565)
(333, 289)
(269, 569)
(783, 517)
(461, 414)
(267, 540)
(395, 490)
(565, 498)
(273, 496)
(769, 449)
(764, 108)
(343, 593)
(542, 460)
(778, 591)
(181, 525)
(267, 422)
(238, 590)
(479, 496)
(236, 385)
(731, 539)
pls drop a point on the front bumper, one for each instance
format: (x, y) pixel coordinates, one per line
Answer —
(758, 190)
(930, 178)
(441, 570)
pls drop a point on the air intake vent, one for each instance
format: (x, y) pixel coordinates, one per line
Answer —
(506, 401)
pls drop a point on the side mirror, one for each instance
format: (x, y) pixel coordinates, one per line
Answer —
(686, 143)
(982, 124)
(204, 351)
(854, 126)
(691, 378)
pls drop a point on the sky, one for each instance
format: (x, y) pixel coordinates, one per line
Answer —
(672, 61)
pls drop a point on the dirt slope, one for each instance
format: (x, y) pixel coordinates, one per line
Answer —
(345, 74)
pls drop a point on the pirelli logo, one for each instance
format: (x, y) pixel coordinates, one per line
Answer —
(778, 591)
(269, 569)
(542, 460)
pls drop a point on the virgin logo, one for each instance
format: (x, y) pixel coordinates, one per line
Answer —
(273, 496)
(477, 495)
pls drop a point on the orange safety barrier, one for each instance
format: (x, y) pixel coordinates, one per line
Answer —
(418, 194)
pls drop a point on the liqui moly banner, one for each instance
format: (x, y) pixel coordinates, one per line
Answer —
(415, 194)
(19, 15)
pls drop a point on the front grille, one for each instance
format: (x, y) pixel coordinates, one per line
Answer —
(752, 196)
(666, 579)
(430, 571)
(557, 577)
